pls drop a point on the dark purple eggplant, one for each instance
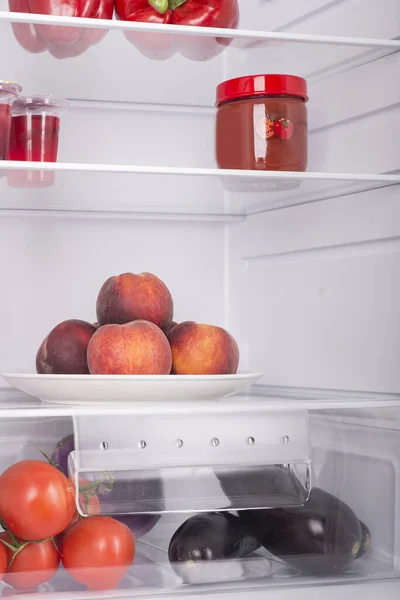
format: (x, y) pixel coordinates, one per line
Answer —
(270, 486)
(322, 537)
(139, 495)
(365, 540)
(61, 452)
(208, 537)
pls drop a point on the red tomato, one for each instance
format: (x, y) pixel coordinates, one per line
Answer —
(36, 500)
(89, 502)
(36, 563)
(3, 560)
(98, 552)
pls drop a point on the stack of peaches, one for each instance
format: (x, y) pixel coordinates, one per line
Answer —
(135, 335)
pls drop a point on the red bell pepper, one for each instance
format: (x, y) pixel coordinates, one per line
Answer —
(61, 42)
(200, 13)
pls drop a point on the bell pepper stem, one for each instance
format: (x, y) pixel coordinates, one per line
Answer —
(160, 6)
(173, 4)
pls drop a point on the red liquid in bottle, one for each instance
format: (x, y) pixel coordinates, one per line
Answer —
(5, 118)
(34, 138)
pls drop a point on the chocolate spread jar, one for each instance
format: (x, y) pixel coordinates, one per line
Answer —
(262, 123)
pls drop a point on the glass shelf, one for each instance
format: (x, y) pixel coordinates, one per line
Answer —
(125, 190)
(104, 71)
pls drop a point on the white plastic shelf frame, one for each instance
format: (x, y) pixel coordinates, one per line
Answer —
(109, 65)
(125, 190)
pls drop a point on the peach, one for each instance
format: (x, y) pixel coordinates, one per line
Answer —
(130, 297)
(63, 351)
(136, 348)
(173, 324)
(202, 350)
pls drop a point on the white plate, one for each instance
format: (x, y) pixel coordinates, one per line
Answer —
(117, 389)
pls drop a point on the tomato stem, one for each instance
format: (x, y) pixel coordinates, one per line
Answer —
(17, 551)
(53, 541)
(51, 462)
(12, 536)
(13, 548)
(90, 487)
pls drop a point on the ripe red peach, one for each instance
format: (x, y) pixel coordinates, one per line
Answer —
(173, 324)
(63, 351)
(130, 297)
(136, 348)
(202, 350)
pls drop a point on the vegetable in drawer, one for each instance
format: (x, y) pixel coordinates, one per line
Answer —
(323, 537)
(123, 495)
(208, 537)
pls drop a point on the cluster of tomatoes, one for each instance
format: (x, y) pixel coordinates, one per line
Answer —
(42, 529)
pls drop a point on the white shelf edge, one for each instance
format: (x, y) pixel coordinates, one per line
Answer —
(82, 104)
(116, 215)
(197, 172)
(30, 407)
(13, 17)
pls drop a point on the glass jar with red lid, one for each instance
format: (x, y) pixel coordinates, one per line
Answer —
(262, 123)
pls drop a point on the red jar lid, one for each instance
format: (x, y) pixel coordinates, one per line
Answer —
(262, 85)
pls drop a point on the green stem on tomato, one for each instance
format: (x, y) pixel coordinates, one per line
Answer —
(53, 541)
(173, 4)
(49, 459)
(17, 551)
(160, 6)
(90, 487)
(12, 536)
(9, 546)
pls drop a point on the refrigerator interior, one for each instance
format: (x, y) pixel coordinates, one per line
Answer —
(301, 268)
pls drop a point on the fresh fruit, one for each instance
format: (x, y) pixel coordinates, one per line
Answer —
(88, 500)
(36, 500)
(3, 560)
(173, 324)
(63, 351)
(202, 350)
(130, 297)
(98, 552)
(31, 563)
(320, 538)
(136, 348)
(208, 537)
